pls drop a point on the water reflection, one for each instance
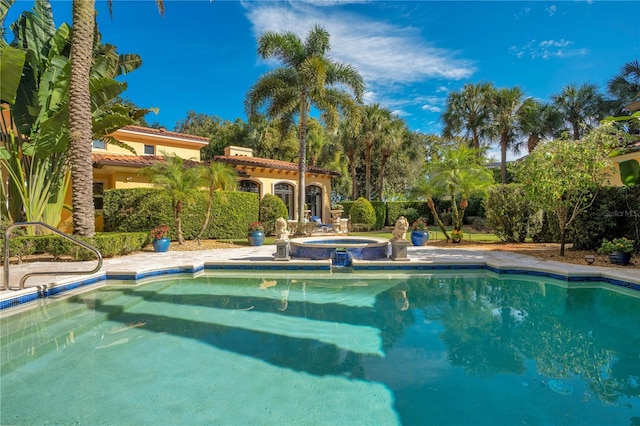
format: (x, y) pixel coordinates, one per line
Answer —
(491, 326)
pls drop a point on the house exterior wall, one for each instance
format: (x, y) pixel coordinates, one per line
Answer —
(616, 179)
(268, 178)
(124, 176)
(185, 149)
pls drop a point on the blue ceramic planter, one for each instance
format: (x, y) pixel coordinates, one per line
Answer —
(419, 238)
(256, 238)
(161, 244)
(619, 258)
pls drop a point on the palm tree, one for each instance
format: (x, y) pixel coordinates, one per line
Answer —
(373, 123)
(626, 85)
(457, 174)
(506, 106)
(348, 142)
(316, 141)
(390, 144)
(220, 177)
(80, 118)
(181, 183)
(468, 112)
(581, 106)
(307, 78)
(539, 121)
(83, 16)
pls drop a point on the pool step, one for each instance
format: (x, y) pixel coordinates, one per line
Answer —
(56, 324)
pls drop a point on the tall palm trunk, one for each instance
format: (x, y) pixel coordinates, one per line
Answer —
(367, 162)
(504, 139)
(436, 217)
(383, 165)
(177, 216)
(207, 216)
(302, 160)
(354, 177)
(80, 118)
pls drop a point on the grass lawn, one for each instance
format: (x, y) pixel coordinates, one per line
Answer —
(435, 234)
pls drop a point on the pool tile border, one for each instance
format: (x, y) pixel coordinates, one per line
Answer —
(33, 293)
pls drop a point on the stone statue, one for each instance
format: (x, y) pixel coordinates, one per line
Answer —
(400, 230)
(282, 233)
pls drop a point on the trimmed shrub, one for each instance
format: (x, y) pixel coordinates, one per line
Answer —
(380, 208)
(363, 216)
(141, 209)
(271, 208)
(508, 212)
(108, 244)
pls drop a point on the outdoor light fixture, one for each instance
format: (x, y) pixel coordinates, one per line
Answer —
(589, 258)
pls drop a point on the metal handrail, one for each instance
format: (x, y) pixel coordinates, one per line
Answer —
(7, 233)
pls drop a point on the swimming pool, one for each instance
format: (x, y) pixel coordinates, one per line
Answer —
(320, 348)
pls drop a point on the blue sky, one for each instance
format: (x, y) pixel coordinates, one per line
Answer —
(201, 55)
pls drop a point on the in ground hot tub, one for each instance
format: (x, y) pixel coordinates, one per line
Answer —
(339, 249)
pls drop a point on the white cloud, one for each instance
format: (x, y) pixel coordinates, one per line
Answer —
(431, 108)
(547, 49)
(385, 54)
(400, 113)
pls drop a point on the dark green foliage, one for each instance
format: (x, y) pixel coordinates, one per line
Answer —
(411, 214)
(137, 210)
(544, 228)
(363, 216)
(271, 208)
(395, 209)
(380, 208)
(476, 206)
(615, 213)
(346, 205)
(21, 246)
(141, 209)
(232, 214)
(508, 212)
(108, 244)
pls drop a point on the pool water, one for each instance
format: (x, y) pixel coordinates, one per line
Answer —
(322, 348)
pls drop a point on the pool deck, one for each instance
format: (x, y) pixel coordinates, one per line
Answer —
(420, 258)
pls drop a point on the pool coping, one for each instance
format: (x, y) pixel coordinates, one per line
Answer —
(421, 259)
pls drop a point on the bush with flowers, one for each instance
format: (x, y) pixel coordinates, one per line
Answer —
(457, 234)
(622, 245)
(419, 225)
(256, 227)
(160, 231)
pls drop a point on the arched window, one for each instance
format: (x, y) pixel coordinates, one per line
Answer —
(249, 186)
(285, 192)
(313, 199)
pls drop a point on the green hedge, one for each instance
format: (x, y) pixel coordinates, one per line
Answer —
(615, 213)
(109, 244)
(141, 209)
(380, 207)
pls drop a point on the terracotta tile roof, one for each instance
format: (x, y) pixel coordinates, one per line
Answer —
(240, 160)
(138, 161)
(166, 133)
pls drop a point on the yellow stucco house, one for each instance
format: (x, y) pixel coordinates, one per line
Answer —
(116, 167)
(628, 161)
